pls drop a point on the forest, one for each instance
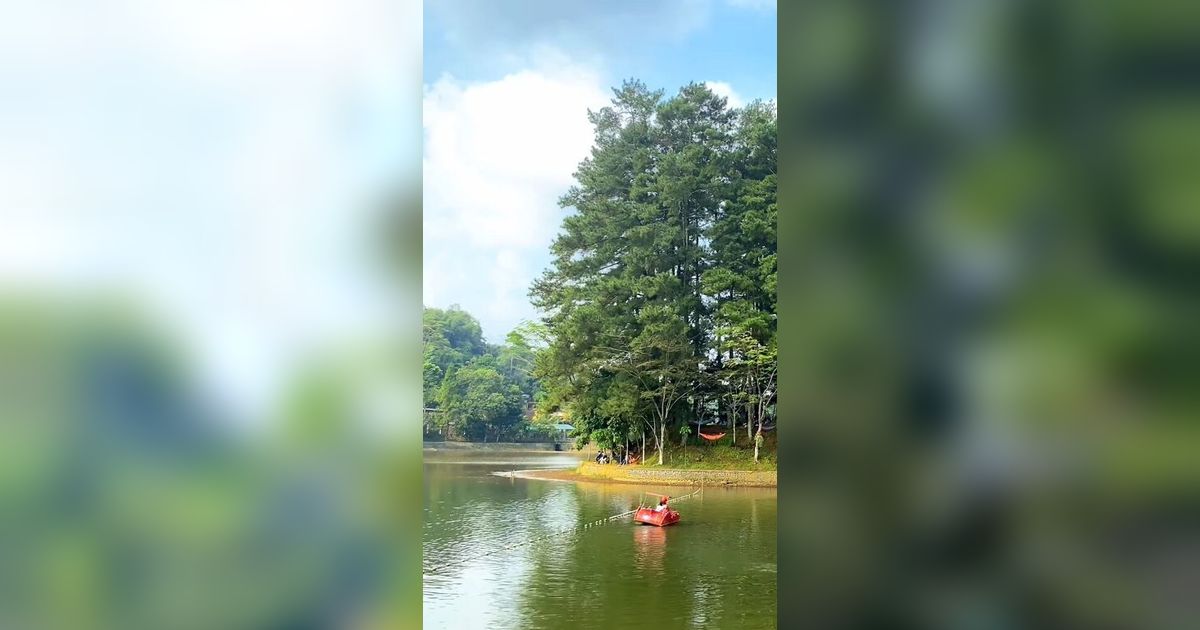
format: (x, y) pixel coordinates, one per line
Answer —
(474, 390)
(659, 306)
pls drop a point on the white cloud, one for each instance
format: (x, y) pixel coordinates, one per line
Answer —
(498, 155)
(217, 161)
(721, 88)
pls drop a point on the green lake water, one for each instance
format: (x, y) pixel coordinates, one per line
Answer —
(714, 569)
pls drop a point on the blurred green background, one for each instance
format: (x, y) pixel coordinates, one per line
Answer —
(990, 246)
(210, 245)
(128, 500)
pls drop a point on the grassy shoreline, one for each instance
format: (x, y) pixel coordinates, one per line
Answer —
(663, 475)
(591, 472)
(706, 457)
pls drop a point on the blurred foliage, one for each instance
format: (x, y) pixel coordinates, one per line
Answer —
(991, 238)
(125, 502)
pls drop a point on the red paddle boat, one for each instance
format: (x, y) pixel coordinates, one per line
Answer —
(660, 516)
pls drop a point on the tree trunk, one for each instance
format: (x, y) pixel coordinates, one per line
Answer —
(643, 458)
(750, 421)
(662, 438)
(733, 417)
(758, 434)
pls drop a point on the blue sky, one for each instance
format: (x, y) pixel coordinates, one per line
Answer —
(507, 88)
(666, 43)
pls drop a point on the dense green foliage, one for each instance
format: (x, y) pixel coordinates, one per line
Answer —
(474, 390)
(660, 300)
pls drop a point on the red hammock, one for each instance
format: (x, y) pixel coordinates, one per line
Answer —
(712, 438)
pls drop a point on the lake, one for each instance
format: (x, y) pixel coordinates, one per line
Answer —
(714, 569)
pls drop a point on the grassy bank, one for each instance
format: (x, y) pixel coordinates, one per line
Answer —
(712, 458)
(663, 476)
(719, 456)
